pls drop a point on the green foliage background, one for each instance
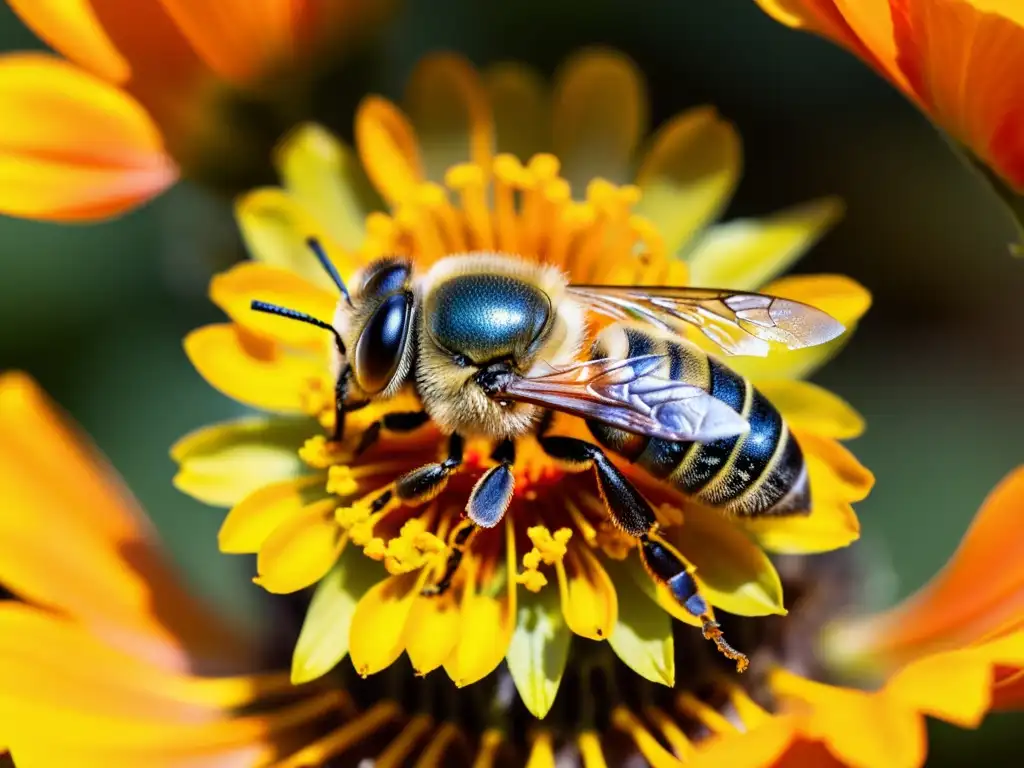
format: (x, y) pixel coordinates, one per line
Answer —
(97, 312)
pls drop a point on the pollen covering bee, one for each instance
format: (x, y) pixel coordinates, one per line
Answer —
(491, 344)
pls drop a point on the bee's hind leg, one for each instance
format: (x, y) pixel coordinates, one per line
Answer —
(487, 505)
(631, 512)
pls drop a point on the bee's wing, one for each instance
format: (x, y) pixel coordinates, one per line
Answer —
(740, 323)
(627, 394)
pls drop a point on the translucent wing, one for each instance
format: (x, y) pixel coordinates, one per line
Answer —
(740, 323)
(626, 394)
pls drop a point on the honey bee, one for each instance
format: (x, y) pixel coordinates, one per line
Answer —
(492, 344)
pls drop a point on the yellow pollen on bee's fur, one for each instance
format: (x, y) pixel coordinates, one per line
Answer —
(527, 209)
(548, 549)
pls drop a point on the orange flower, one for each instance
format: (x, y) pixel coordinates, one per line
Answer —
(953, 651)
(143, 93)
(960, 61)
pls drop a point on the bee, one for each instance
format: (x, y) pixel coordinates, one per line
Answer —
(491, 344)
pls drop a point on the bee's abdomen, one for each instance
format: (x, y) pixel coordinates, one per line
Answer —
(759, 473)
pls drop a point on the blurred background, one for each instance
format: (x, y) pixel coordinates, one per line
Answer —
(97, 313)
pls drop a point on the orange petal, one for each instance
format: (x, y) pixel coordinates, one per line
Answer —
(448, 106)
(72, 28)
(73, 147)
(238, 39)
(387, 146)
(600, 113)
(976, 592)
(757, 748)
(377, 636)
(252, 370)
(522, 109)
(56, 491)
(234, 291)
(970, 62)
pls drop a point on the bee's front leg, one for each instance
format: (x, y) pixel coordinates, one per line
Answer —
(486, 507)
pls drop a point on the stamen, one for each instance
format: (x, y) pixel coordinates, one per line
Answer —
(320, 453)
(468, 179)
(335, 743)
(646, 744)
(508, 177)
(548, 549)
(705, 714)
(712, 631)
(653, 270)
(542, 749)
(399, 749)
(413, 548)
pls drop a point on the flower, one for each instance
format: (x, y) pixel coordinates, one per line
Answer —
(311, 508)
(960, 61)
(107, 660)
(952, 651)
(146, 92)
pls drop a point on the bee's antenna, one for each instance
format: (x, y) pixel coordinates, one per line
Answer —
(302, 317)
(328, 265)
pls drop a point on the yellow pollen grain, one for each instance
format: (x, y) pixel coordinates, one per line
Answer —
(413, 548)
(318, 453)
(341, 481)
(548, 549)
(376, 548)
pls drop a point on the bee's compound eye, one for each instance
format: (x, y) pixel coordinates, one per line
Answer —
(382, 343)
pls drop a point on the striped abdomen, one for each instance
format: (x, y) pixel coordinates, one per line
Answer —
(759, 473)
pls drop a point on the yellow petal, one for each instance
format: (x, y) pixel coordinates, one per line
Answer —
(955, 686)
(301, 550)
(240, 40)
(387, 148)
(447, 104)
(431, 633)
(223, 463)
(324, 638)
(488, 620)
(252, 370)
(642, 637)
(841, 297)
(251, 521)
(73, 147)
(539, 650)
(72, 28)
(600, 113)
(764, 745)
(808, 407)
(589, 602)
(234, 291)
(656, 591)
(324, 176)
(837, 479)
(688, 174)
(733, 573)
(377, 635)
(522, 109)
(746, 253)
(276, 227)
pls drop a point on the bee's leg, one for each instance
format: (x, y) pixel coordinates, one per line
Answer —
(631, 512)
(422, 484)
(398, 422)
(487, 504)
